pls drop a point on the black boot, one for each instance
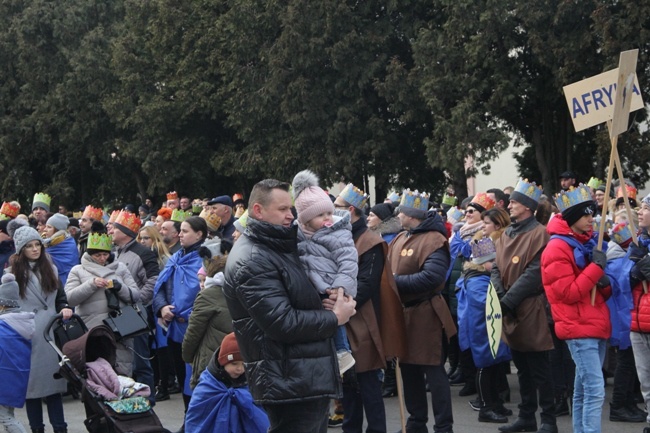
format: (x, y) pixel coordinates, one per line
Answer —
(623, 414)
(38, 430)
(547, 428)
(488, 415)
(561, 407)
(520, 425)
(389, 387)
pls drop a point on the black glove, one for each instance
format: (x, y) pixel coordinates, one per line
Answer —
(643, 266)
(635, 276)
(507, 311)
(600, 258)
(603, 282)
(117, 285)
(637, 252)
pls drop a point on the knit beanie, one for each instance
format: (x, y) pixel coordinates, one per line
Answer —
(9, 292)
(310, 199)
(383, 210)
(229, 350)
(3, 225)
(23, 236)
(574, 213)
(14, 225)
(59, 221)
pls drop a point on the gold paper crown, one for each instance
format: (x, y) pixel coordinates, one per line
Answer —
(114, 216)
(97, 241)
(621, 233)
(483, 200)
(41, 197)
(594, 182)
(449, 200)
(529, 189)
(631, 192)
(128, 220)
(415, 199)
(180, 216)
(93, 213)
(572, 197)
(354, 196)
(172, 195)
(212, 220)
(77, 215)
(10, 210)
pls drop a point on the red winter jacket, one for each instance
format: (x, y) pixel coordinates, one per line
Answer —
(641, 310)
(568, 288)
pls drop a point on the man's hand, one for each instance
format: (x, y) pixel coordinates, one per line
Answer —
(637, 252)
(599, 258)
(166, 313)
(343, 307)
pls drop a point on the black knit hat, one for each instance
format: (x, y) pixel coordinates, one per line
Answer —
(383, 210)
(574, 213)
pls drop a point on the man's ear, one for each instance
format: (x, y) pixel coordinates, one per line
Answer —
(256, 211)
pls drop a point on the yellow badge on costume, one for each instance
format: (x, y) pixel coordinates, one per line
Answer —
(515, 259)
(403, 253)
(409, 252)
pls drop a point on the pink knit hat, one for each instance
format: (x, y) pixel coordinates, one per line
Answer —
(310, 199)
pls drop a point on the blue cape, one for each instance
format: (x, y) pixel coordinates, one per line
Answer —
(458, 247)
(217, 409)
(15, 361)
(620, 303)
(181, 270)
(65, 256)
(472, 331)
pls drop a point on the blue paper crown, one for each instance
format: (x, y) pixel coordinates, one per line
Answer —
(596, 224)
(529, 189)
(415, 200)
(454, 215)
(483, 250)
(354, 196)
(621, 233)
(572, 197)
(394, 196)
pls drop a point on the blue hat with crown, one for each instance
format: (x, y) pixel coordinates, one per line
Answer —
(483, 250)
(454, 215)
(574, 196)
(527, 193)
(414, 204)
(354, 196)
(394, 197)
(621, 233)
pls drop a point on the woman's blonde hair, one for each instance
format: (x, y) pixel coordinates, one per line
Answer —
(158, 246)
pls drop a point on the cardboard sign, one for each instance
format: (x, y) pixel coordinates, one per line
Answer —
(591, 101)
(623, 100)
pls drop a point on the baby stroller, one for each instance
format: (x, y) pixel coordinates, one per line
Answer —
(76, 346)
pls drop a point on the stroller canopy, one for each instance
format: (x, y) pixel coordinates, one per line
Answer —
(99, 342)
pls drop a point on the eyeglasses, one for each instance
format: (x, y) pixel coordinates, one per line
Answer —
(469, 211)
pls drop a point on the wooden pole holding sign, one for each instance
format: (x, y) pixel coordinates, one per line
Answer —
(590, 92)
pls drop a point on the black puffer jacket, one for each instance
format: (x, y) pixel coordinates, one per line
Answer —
(284, 334)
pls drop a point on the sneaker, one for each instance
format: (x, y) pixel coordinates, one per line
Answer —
(335, 420)
(346, 361)
(476, 404)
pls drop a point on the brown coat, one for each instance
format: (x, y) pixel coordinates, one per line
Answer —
(426, 320)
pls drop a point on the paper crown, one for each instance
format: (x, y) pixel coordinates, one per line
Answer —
(529, 189)
(197, 206)
(483, 250)
(92, 213)
(100, 241)
(621, 233)
(596, 224)
(114, 216)
(77, 215)
(454, 215)
(9, 210)
(180, 216)
(129, 220)
(41, 197)
(415, 200)
(242, 222)
(631, 192)
(594, 182)
(237, 197)
(212, 220)
(172, 195)
(354, 196)
(566, 199)
(449, 200)
(3, 217)
(393, 196)
(483, 200)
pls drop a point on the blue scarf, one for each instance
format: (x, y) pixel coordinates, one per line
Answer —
(582, 253)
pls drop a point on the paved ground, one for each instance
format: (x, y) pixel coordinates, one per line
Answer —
(466, 420)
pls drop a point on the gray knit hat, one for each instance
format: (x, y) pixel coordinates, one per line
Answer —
(14, 225)
(24, 235)
(59, 221)
(9, 292)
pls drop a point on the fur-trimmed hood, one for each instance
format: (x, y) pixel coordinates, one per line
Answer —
(390, 225)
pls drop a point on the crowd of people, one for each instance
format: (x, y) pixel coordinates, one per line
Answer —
(273, 307)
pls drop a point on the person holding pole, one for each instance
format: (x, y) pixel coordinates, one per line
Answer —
(571, 267)
(419, 258)
(517, 278)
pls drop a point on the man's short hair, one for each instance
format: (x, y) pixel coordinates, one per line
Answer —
(357, 212)
(499, 195)
(261, 192)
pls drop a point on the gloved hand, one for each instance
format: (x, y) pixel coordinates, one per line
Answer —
(603, 282)
(637, 252)
(507, 311)
(117, 285)
(599, 258)
(635, 276)
(643, 266)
